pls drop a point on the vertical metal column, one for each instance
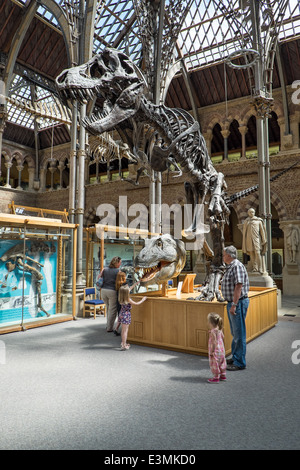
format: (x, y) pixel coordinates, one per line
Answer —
(72, 166)
(72, 187)
(152, 201)
(156, 183)
(261, 103)
(268, 197)
(81, 197)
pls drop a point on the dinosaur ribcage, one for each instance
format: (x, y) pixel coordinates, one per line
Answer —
(190, 149)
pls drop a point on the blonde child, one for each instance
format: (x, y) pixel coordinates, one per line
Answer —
(216, 348)
(125, 313)
(120, 281)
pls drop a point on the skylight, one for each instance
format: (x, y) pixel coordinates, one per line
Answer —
(20, 99)
(211, 31)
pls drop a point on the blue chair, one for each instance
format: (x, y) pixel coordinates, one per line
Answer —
(91, 304)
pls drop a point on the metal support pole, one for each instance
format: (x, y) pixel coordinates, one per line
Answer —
(72, 169)
(72, 186)
(155, 184)
(158, 217)
(261, 166)
(81, 196)
(268, 198)
(262, 108)
(152, 202)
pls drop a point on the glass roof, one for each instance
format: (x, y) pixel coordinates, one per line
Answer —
(21, 93)
(212, 29)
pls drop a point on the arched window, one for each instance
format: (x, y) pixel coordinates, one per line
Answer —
(251, 138)
(217, 144)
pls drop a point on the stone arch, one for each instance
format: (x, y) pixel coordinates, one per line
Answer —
(253, 201)
(15, 170)
(30, 160)
(242, 209)
(235, 113)
(6, 154)
(232, 232)
(217, 139)
(52, 173)
(216, 119)
(234, 137)
(46, 159)
(246, 115)
(274, 128)
(18, 157)
(61, 157)
(279, 206)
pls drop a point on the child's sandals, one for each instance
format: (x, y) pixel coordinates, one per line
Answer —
(125, 347)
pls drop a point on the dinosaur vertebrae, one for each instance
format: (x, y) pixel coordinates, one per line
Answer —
(183, 138)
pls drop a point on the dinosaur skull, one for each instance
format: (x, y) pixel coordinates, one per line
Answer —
(110, 75)
(162, 258)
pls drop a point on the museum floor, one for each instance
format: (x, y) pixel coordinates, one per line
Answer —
(68, 386)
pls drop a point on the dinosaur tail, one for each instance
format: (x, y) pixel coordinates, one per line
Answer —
(236, 196)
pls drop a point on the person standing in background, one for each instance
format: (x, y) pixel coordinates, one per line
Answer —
(235, 288)
(108, 291)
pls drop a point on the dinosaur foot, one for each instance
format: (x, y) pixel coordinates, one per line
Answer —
(210, 296)
(210, 289)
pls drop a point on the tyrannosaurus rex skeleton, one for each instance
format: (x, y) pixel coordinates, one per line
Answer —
(168, 137)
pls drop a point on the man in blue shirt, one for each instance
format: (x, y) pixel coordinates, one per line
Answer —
(235, 288)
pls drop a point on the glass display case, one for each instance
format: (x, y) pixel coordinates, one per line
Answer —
(37, 271)
(101, 248)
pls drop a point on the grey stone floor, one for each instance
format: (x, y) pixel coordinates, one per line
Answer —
(68, 386)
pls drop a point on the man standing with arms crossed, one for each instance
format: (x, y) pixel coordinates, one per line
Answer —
(235, 288)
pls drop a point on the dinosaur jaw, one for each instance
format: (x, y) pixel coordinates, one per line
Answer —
(110, 76)
(158, 273)
(162, 258)
(106, 121)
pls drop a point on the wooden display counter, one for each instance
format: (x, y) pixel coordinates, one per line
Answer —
(181, 324)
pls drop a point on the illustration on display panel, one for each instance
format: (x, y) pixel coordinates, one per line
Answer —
(35, 272)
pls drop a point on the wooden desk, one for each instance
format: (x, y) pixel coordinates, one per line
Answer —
(181, 324)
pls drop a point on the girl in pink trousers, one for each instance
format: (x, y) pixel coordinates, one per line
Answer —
(216, 350)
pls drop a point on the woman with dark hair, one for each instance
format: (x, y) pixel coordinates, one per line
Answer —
(108, 291)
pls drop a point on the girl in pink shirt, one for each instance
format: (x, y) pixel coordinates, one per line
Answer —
(216, 348)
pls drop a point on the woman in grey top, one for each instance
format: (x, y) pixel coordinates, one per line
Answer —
(108, 291)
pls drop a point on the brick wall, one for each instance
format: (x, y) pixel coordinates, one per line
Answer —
(240, 175)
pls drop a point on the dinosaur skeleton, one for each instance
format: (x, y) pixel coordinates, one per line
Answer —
(159, 138)
(172, 137)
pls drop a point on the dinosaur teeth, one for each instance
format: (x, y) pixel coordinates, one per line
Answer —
(148, 270)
